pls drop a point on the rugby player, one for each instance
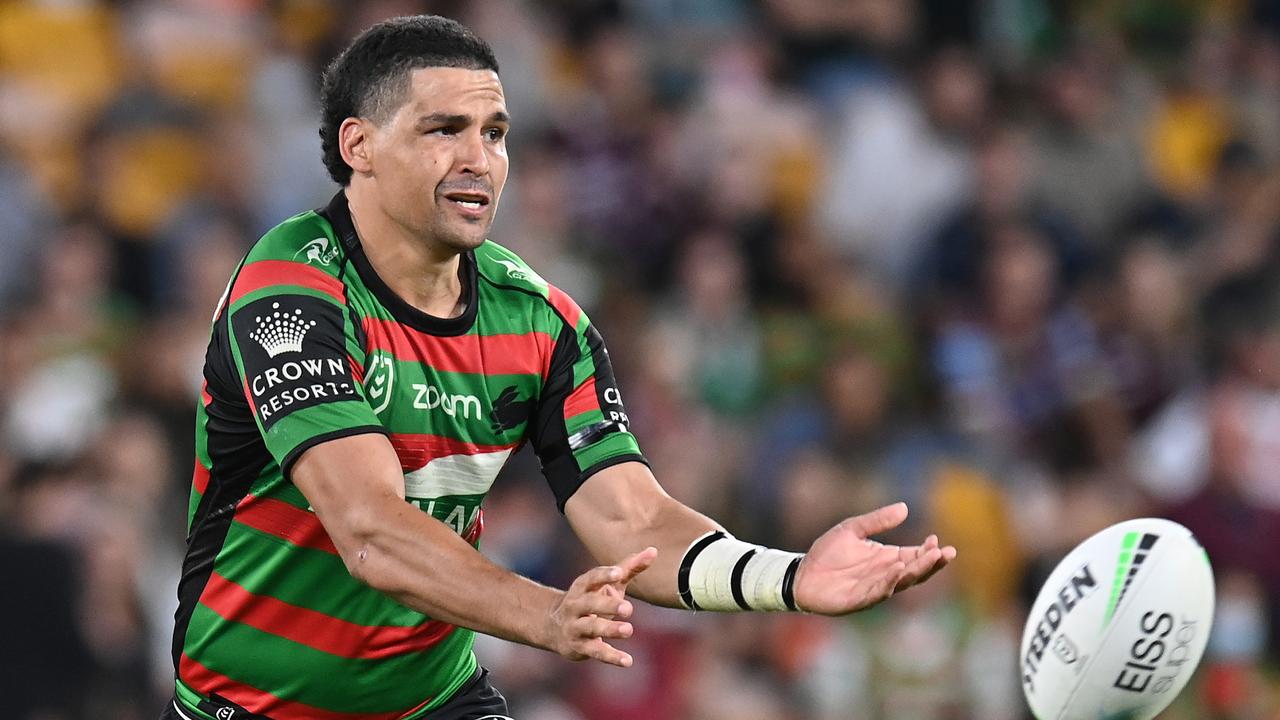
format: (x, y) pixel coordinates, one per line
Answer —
(371, 367)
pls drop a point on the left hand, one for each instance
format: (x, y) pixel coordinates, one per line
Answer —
(845, 571)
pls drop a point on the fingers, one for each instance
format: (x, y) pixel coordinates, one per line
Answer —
(597, 577)
(602, 603)
(597, 649)
(594, 622)
(884, 586)
(621, 574)
(637, 563)
(946, 555)
(878, 520)
(909, 553)
(593, 626)
(595, 609)
(926, 561)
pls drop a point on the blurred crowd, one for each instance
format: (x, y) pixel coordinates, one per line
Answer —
(1016, 262)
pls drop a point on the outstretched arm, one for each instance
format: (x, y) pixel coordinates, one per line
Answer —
(622, 508)
(356, 487)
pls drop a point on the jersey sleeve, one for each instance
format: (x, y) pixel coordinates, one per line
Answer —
(295, 350)
(580, 425)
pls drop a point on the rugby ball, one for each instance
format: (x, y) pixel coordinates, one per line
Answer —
(1120, 625)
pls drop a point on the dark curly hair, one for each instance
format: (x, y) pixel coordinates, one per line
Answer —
(369, 78)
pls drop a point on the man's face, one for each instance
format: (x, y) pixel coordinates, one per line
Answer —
(441, 160)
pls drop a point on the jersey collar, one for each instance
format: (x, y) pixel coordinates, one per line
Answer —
(338, 214)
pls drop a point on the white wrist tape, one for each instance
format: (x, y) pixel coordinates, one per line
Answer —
(720, 572)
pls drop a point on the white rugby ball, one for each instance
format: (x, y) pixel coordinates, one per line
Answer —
(1120, 625)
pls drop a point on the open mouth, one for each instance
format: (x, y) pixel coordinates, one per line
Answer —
(472, 201)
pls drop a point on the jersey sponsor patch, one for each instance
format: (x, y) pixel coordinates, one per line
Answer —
(293, 352)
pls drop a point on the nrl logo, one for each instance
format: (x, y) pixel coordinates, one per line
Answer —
(520, 272)
(281, 332)
(318, 251)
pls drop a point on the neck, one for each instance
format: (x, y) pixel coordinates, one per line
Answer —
(424, 273)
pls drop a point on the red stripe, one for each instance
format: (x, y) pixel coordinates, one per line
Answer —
(473, 533)
(279, 518)
(200, 477)
(316, 629)
(507, 354)
(564, 305)
(583, 399)
(357, 370)
(265, 273)
(206, 681)
(248, 396)
(416, 450)
(205, 397)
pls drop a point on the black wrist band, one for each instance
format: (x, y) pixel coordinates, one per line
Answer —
(789, 585)
(735, 580)
(682, 577)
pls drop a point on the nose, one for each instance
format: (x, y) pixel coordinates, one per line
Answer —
(471, 156)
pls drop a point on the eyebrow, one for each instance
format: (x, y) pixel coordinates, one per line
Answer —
(498, 116)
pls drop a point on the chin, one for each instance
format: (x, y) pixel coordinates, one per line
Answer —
(463, 242)
(462, 237)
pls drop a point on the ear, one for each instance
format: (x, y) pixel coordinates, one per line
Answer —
(354, 144)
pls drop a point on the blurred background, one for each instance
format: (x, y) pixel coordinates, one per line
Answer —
(1016, 262)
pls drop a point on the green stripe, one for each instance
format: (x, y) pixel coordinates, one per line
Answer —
(418, 408)
(299, 426)
(1123, 562)
(278, 290)
(506, 324)
(503, 311)
(354, 348)
(585, 367)
(442, 507)
(190, 699)
(267, 565)
(202, 436)
(202, 455)
(271, 484)
(303, 674)
(516, 313)
(359, 296)
(611, 446)
(193, 502)
(284, 240)
(509, 319)
(588, 418)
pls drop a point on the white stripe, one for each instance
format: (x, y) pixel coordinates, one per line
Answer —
(455, 475)
(179, 711)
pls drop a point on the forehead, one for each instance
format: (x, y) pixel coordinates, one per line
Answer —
(441, 89)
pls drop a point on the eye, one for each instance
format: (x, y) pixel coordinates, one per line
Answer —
(444, 130)
(494, 134)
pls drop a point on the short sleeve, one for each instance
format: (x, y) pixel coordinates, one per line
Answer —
(580, 424)
(292, 341)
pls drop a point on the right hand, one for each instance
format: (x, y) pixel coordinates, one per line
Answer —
(595, 608)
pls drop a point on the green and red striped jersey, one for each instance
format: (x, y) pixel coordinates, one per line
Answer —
(308, 345)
